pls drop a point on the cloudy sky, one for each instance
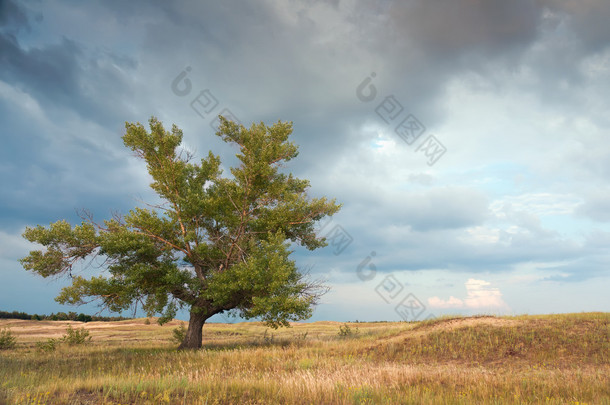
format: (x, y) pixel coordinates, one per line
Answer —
(468, 140)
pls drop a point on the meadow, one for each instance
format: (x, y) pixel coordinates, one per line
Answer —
(545, 359)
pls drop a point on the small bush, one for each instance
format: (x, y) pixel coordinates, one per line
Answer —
(347, 331)
(72, 337)
(76, 336)
(178, 334)
(47, 346)
(7, 339)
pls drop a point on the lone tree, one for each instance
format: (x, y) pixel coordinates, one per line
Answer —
(215, 243)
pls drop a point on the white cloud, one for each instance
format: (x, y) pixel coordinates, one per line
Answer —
(480, 235)
(479, 295)
(536, 203)
(596, 206)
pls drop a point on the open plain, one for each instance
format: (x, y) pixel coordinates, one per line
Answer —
(550, 359)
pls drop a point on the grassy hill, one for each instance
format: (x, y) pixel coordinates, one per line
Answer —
(550, 359)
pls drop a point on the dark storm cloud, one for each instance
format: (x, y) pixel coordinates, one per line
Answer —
(439, 208)
(578, 270)
(277, 61)
(47, 173)
(46, 71)
(588, 20)
(263, 64)
(63, 74)
(406, 249)
(12, 17)
(52, 164)
(468, 33)
(433, 42)
(456, 30)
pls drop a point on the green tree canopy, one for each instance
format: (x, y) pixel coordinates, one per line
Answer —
(216, 243)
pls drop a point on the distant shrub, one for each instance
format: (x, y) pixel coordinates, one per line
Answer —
(60, 316)
(347, 331)
(7, 339)
(76, 336)
(47, 346)
(14, 315)
(178, 334)
(84, 318)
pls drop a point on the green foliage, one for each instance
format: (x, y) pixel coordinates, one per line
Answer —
(7, 339)
(72, 337)
(215, 243)
(178, 334)
(84, 318)
(76, 336)
(14, 315)
(346, 331)
(60, 316)
(49, 345)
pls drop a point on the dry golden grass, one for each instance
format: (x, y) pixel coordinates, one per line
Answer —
(554, 359)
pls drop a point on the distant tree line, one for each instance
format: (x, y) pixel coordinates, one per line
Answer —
(60, 316)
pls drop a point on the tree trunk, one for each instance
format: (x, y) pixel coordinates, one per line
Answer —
(194, 333)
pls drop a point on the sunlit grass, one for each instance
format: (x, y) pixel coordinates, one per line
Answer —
(555, 359)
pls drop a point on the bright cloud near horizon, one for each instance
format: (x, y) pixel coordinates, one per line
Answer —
(479, 296)
(468, 141)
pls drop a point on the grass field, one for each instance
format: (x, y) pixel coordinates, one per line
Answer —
(549, 359)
